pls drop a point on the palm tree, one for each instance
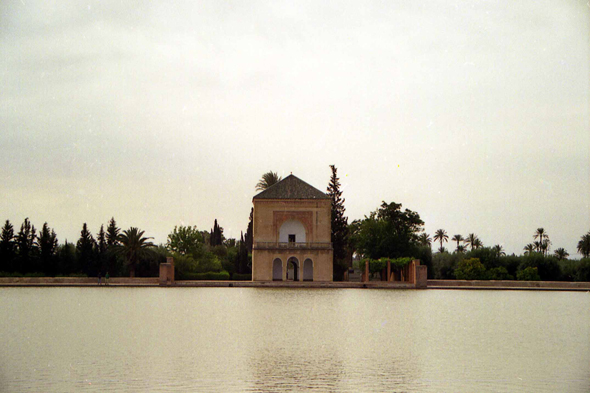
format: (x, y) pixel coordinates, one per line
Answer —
(478, 244)
(268, 179)
(461, 249)
(542, 236)
(529, 249)
(499, 250)
(560, 253)
(472, 240)
(457, 238)
(545, 246)
(425, 239)
(134, 247)
(439, 236)
(584, 245)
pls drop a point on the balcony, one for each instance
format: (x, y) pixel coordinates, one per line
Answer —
(292, 246)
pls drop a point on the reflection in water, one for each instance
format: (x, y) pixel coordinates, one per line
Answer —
(280, 340)
(285, 371)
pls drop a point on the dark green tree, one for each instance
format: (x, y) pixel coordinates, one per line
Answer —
(543, 244)
(470, 269)
(66, 256)
(472, 240)
(561, 254)
(388, 232)
(529, 248)
(114, 264)
(499, 250)
(102, 251)
(26, 248)
(547, 267)
(134, 247)
(216, 237)
(584, 245)
(339, 225)
(47, 243)
(7, 248)
(458, 238)
(424, 239)
(86, 247)
(268, 179)
(441, 236)
(249, 237)
(112, 235)
(242, 258)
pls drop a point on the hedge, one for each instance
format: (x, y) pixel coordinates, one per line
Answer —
(241, 277)
(222, 276)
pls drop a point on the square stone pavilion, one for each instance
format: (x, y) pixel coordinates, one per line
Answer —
(292, 233)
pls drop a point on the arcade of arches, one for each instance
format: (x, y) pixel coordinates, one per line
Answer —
(292, 269)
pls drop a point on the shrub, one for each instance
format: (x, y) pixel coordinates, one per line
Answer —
(470, 269)
(10, 274)
(499, 273)
(183, 265)
(400, 262)
(583, 270)
(78, 275)
(222, 276)
(241, 277)
(444, 264)
(547, 267)
(528, 274)
(209, 263)
(34, 274)
(486, 255)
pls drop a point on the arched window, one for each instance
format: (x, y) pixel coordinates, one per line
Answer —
(292, 231)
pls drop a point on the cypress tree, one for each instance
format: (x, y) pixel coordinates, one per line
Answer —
(339, 225)
(101, 250)
(7, 248)
(249, 238)
(112, 237)
(86, 252)
(216, 236)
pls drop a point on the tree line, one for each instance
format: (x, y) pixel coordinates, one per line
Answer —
(120, 253)
(390, 232)
(471, 260)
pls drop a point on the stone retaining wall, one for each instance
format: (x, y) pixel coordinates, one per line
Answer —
(507, 284)
(77, 280)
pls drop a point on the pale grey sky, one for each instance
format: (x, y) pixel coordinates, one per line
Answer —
(475, 114)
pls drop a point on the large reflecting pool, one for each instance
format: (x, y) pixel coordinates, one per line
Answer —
(279, 340)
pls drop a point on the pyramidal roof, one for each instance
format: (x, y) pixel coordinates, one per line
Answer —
(291, 187)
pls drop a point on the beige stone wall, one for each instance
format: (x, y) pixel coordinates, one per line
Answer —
(262, 263)
(269, 215)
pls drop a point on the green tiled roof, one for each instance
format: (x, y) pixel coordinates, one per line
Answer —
(291, 187)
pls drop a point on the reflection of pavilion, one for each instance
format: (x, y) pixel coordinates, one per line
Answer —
(292, 233)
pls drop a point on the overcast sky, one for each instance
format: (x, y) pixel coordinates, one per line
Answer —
(475, 114)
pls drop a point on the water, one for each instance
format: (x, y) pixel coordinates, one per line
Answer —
(291, 340)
